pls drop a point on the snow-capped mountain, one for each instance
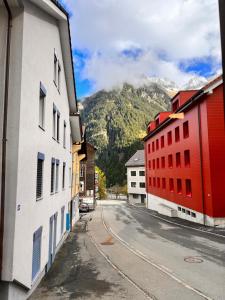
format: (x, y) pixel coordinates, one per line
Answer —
(195, 83)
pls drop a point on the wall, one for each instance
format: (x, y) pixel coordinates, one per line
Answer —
(136, 179)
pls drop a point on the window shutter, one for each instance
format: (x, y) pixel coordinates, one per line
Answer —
(36, 260)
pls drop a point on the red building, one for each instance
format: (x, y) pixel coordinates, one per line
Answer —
(185, 158)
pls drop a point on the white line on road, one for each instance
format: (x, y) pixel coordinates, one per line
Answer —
(156, 265)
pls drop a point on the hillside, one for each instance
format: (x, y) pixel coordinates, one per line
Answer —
(116, 122)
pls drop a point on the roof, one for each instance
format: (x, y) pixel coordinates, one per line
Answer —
(137, 160)
(195, 98)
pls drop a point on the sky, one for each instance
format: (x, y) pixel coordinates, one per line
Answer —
(117, 41)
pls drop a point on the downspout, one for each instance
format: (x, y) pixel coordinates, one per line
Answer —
(201, 164)
(4, 132)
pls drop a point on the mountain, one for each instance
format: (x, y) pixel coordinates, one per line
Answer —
(116, 122)
(195, 83)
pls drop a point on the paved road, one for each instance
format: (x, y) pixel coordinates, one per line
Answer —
(127, 253)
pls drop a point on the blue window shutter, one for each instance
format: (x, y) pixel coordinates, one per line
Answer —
(41, 156)
(36, 259)
(68, 222)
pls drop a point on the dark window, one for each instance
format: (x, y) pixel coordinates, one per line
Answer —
(162, 141)
(163, 162)
(149, 148)
(169, 138)
(157, 144)
(154, 183)
(135, 196)
(58, 124)
(153, 146)
(163, 183)
(57, 176)
(59, 76)
(39, 182)
(171, 185)
(187, 158)
(153, 164)
(52, 175)
(55, 68)
(177, 134)
(149, 164)
(188, 188)
(141, 173)
(157, 122)
(175, 105)
(42, 96)
(157, 163)
(54, 122)
(133, 173)
(133, 184)
(185, 130)
(150, 181)
(63, 175)
(64, 135)
(178, 160)
(36, 257)
(179, 186)
(158, 182)
(170, 161)
(142, 184)
(62, 219)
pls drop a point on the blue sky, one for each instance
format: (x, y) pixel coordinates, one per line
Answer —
(118, 41)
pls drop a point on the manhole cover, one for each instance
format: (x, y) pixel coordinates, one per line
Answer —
(193, 259)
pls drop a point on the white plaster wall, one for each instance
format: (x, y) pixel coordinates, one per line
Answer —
(40, 37)
(136, 179)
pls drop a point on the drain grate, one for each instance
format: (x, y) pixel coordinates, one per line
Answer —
(193, 259)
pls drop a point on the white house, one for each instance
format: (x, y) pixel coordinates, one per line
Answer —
(38, 123)
(136, 178)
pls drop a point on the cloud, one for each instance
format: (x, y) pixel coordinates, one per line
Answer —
(128, 39)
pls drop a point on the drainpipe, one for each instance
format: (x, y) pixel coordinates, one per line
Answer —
(4, 136)
(201, 164)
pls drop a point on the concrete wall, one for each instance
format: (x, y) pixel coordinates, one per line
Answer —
(35, 36)
(136, 179)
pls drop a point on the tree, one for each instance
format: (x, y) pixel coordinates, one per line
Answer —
(101, 183)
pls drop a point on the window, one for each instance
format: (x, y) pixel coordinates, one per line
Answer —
(170, 161)
(63, 175)
(59, 76)
(153, 146)
(188, 188)
(163, 183)
(58, 123)
(135, 196)
(54, 121)
(55, 68)
(157, 122)
(169, 138)
(141, 173)
(158, 182)
(178, 160)
(179, 186)
(150, 181)
(42, 96)
(157, 163)
(62, 219)
(171, 185)
(162, 141)
(154, 183)
(142, 184)
(133, 173)
(175, 105)
(149, 148)
(52, 175)
(133, 184)
(187, 158)
(163, 162)
(177, 134)
(36, 258)
(39, 181)
(153, 164)
(185, 130)
(57, 176)
(149, 164)
(157, 144)
(64, 135)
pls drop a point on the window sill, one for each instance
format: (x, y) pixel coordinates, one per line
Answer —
(39, 199)
(42, 128)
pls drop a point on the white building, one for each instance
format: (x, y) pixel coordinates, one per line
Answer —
(136, 178)
(39, 116)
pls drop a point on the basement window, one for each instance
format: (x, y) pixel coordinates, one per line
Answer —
(162, 141)
(188, 188)
(177, 134)
(178, 160)
(185, 130)
(187, 158)
(193, 215)
(169, 138)
(170, 161)
(179, 186)
(171, 185)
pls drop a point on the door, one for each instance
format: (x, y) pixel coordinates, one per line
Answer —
(50, 246)
(54, 234)
(143, 199)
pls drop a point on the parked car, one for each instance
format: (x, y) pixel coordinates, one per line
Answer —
(84, 207)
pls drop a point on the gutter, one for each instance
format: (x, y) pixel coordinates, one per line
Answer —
(4, 136)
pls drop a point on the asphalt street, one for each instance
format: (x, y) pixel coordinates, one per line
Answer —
(128, 253)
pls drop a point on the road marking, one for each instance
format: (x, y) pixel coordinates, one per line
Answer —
(147, 295)
(156, 265)
(181, 225)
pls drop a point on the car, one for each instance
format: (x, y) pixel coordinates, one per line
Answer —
(84, 207)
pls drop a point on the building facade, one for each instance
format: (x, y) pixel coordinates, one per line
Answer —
(136, 178)
(39, 125)
(185, 163)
